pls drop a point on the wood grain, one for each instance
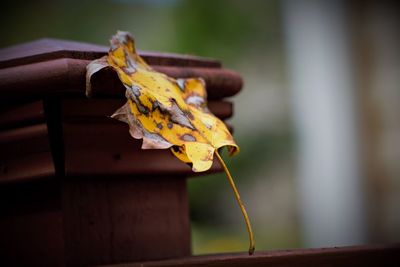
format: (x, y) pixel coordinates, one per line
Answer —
(31, 228)
(25, 154)
(67, 76)
(22, 141)
(75, 188)
(373, 255)
(26, 168)
(122, 220)
(21, 114)
(93, 148)
(49, 49)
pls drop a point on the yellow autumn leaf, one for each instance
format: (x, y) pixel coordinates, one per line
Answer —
(167, 113)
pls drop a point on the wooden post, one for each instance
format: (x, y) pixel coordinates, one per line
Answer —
(75, 188)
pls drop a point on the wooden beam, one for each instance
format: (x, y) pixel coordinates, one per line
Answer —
(373, 255)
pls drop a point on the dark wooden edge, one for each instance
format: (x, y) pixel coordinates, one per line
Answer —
(53, 115)
(21, 142)
(50, 49)
(22, 115)
(67, 76)
(32, 167)
(367, 255)
(17, 134)
(25, 154)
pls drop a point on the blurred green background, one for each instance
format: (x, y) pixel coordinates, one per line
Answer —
(246, 38)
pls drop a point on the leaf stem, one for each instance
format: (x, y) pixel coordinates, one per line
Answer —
(239, 201)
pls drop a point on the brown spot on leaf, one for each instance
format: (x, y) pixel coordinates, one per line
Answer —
(208, 157)
(155, 105)
(190, 115)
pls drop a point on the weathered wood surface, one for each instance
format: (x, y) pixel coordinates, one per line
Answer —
(48, 67)
(31, 224)
(25, 153)
(49, 49)
(108, 149)
(88, 220)
(95, 144)
(52, 73)
(67, 77)
(373, 255)
(75, 188)
(122, 220)
(22, 114)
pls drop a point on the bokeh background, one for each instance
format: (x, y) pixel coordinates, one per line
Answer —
(317, 120)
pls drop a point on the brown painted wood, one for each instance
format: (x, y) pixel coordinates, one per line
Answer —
(373, 255)
(25, 154)
(22, 141)
(221, 109)
(107, 149)
(49, 49)
(22, 114)
(59, 76)
(26, 168)
(67, 76)
(96, 144)
(121, 220)
(31, 228)
(84, 221)
(75, 188)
